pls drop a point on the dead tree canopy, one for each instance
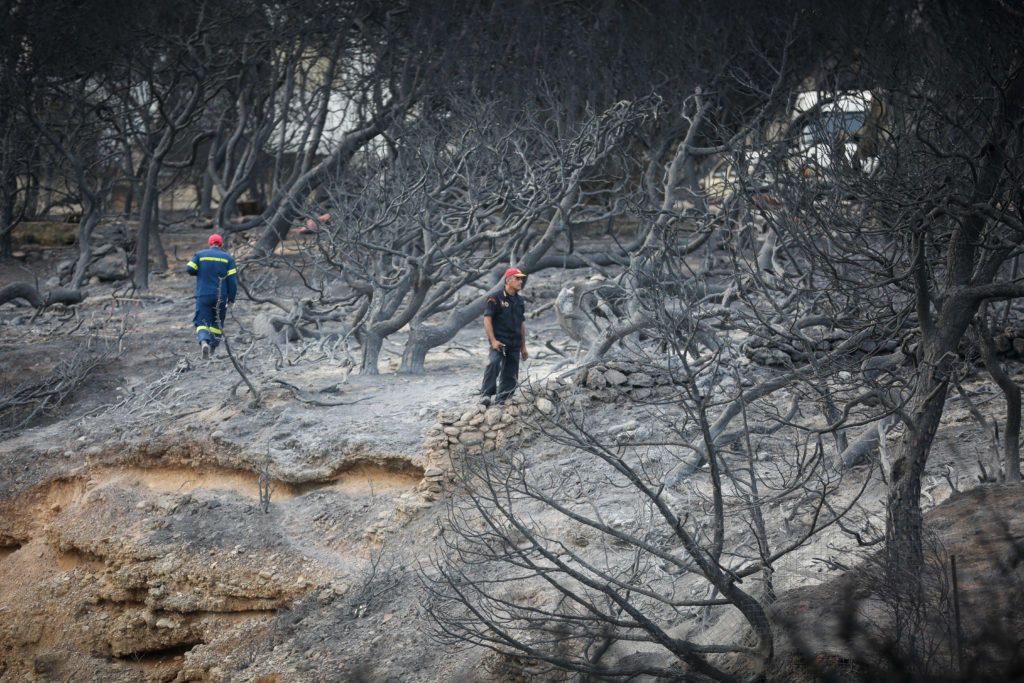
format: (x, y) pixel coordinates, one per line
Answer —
(532, 566)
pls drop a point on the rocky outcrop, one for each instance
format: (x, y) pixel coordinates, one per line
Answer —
(154, 561)
(116, 575)
(110, 266)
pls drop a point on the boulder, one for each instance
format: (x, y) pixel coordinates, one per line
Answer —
(448, 417)
(596, 379)
(112, 267)
(641, 379)
(65, 268)
(263, 326)
(492, 416)
(614, 377)
(545, 406)
(102, 250)
(435, 443)
(471, 438)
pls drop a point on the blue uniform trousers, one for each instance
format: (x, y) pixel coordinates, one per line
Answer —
(209, 318)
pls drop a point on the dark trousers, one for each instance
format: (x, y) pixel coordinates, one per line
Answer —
(209, 318)
(504, 363)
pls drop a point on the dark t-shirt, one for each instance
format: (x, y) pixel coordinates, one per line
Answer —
(507, 313)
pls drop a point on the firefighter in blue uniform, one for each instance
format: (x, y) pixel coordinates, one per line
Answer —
(504, 317)
(216, 285)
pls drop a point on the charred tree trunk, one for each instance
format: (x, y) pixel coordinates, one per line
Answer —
(903, 526)
(8, 184)
(372, 344)
(141, 275)
(27, 292)
(206, 196)
(423, 339)
(129, 200)
(85, 227)
(391, 319)
(288, 210)
(6, 225)
(159, 254)
(1011, 392)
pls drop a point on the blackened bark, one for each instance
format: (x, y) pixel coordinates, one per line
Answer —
(372, 344)
(206, 196)
(903, 526)
(27, 292)
(141, 275)
(1011, 434)
(6, 227)
(158, 252)
(287, 212)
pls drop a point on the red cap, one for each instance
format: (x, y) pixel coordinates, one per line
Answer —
(216, 239)
(514, 272)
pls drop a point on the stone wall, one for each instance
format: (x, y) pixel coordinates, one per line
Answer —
(475, 430)
(615, 379)
(479, 429)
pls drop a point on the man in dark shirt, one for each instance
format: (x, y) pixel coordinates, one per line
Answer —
(504, 318)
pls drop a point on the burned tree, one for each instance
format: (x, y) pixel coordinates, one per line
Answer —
(533, 565)
(455, 202)
(80, 136)
(305, 100)
(908, 248)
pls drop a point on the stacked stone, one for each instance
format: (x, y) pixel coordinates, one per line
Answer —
(774, 351)
(616, 378)
(433, 483)
(479, 429)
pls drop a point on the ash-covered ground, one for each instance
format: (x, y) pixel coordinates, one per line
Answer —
(136, 537)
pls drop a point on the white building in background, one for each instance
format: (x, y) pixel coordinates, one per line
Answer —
(835, 125)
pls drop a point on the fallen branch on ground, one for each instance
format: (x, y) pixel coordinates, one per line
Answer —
(306, 398)
(23, 290)
(255, 394)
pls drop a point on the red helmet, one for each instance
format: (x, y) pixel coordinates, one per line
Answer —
(514, 272)
(216, 239)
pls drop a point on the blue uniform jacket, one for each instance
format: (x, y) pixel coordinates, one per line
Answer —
(215, 270)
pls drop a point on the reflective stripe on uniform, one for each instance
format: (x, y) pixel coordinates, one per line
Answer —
(213, 258)
(192, 265)
(208, 328)
(232, 271)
